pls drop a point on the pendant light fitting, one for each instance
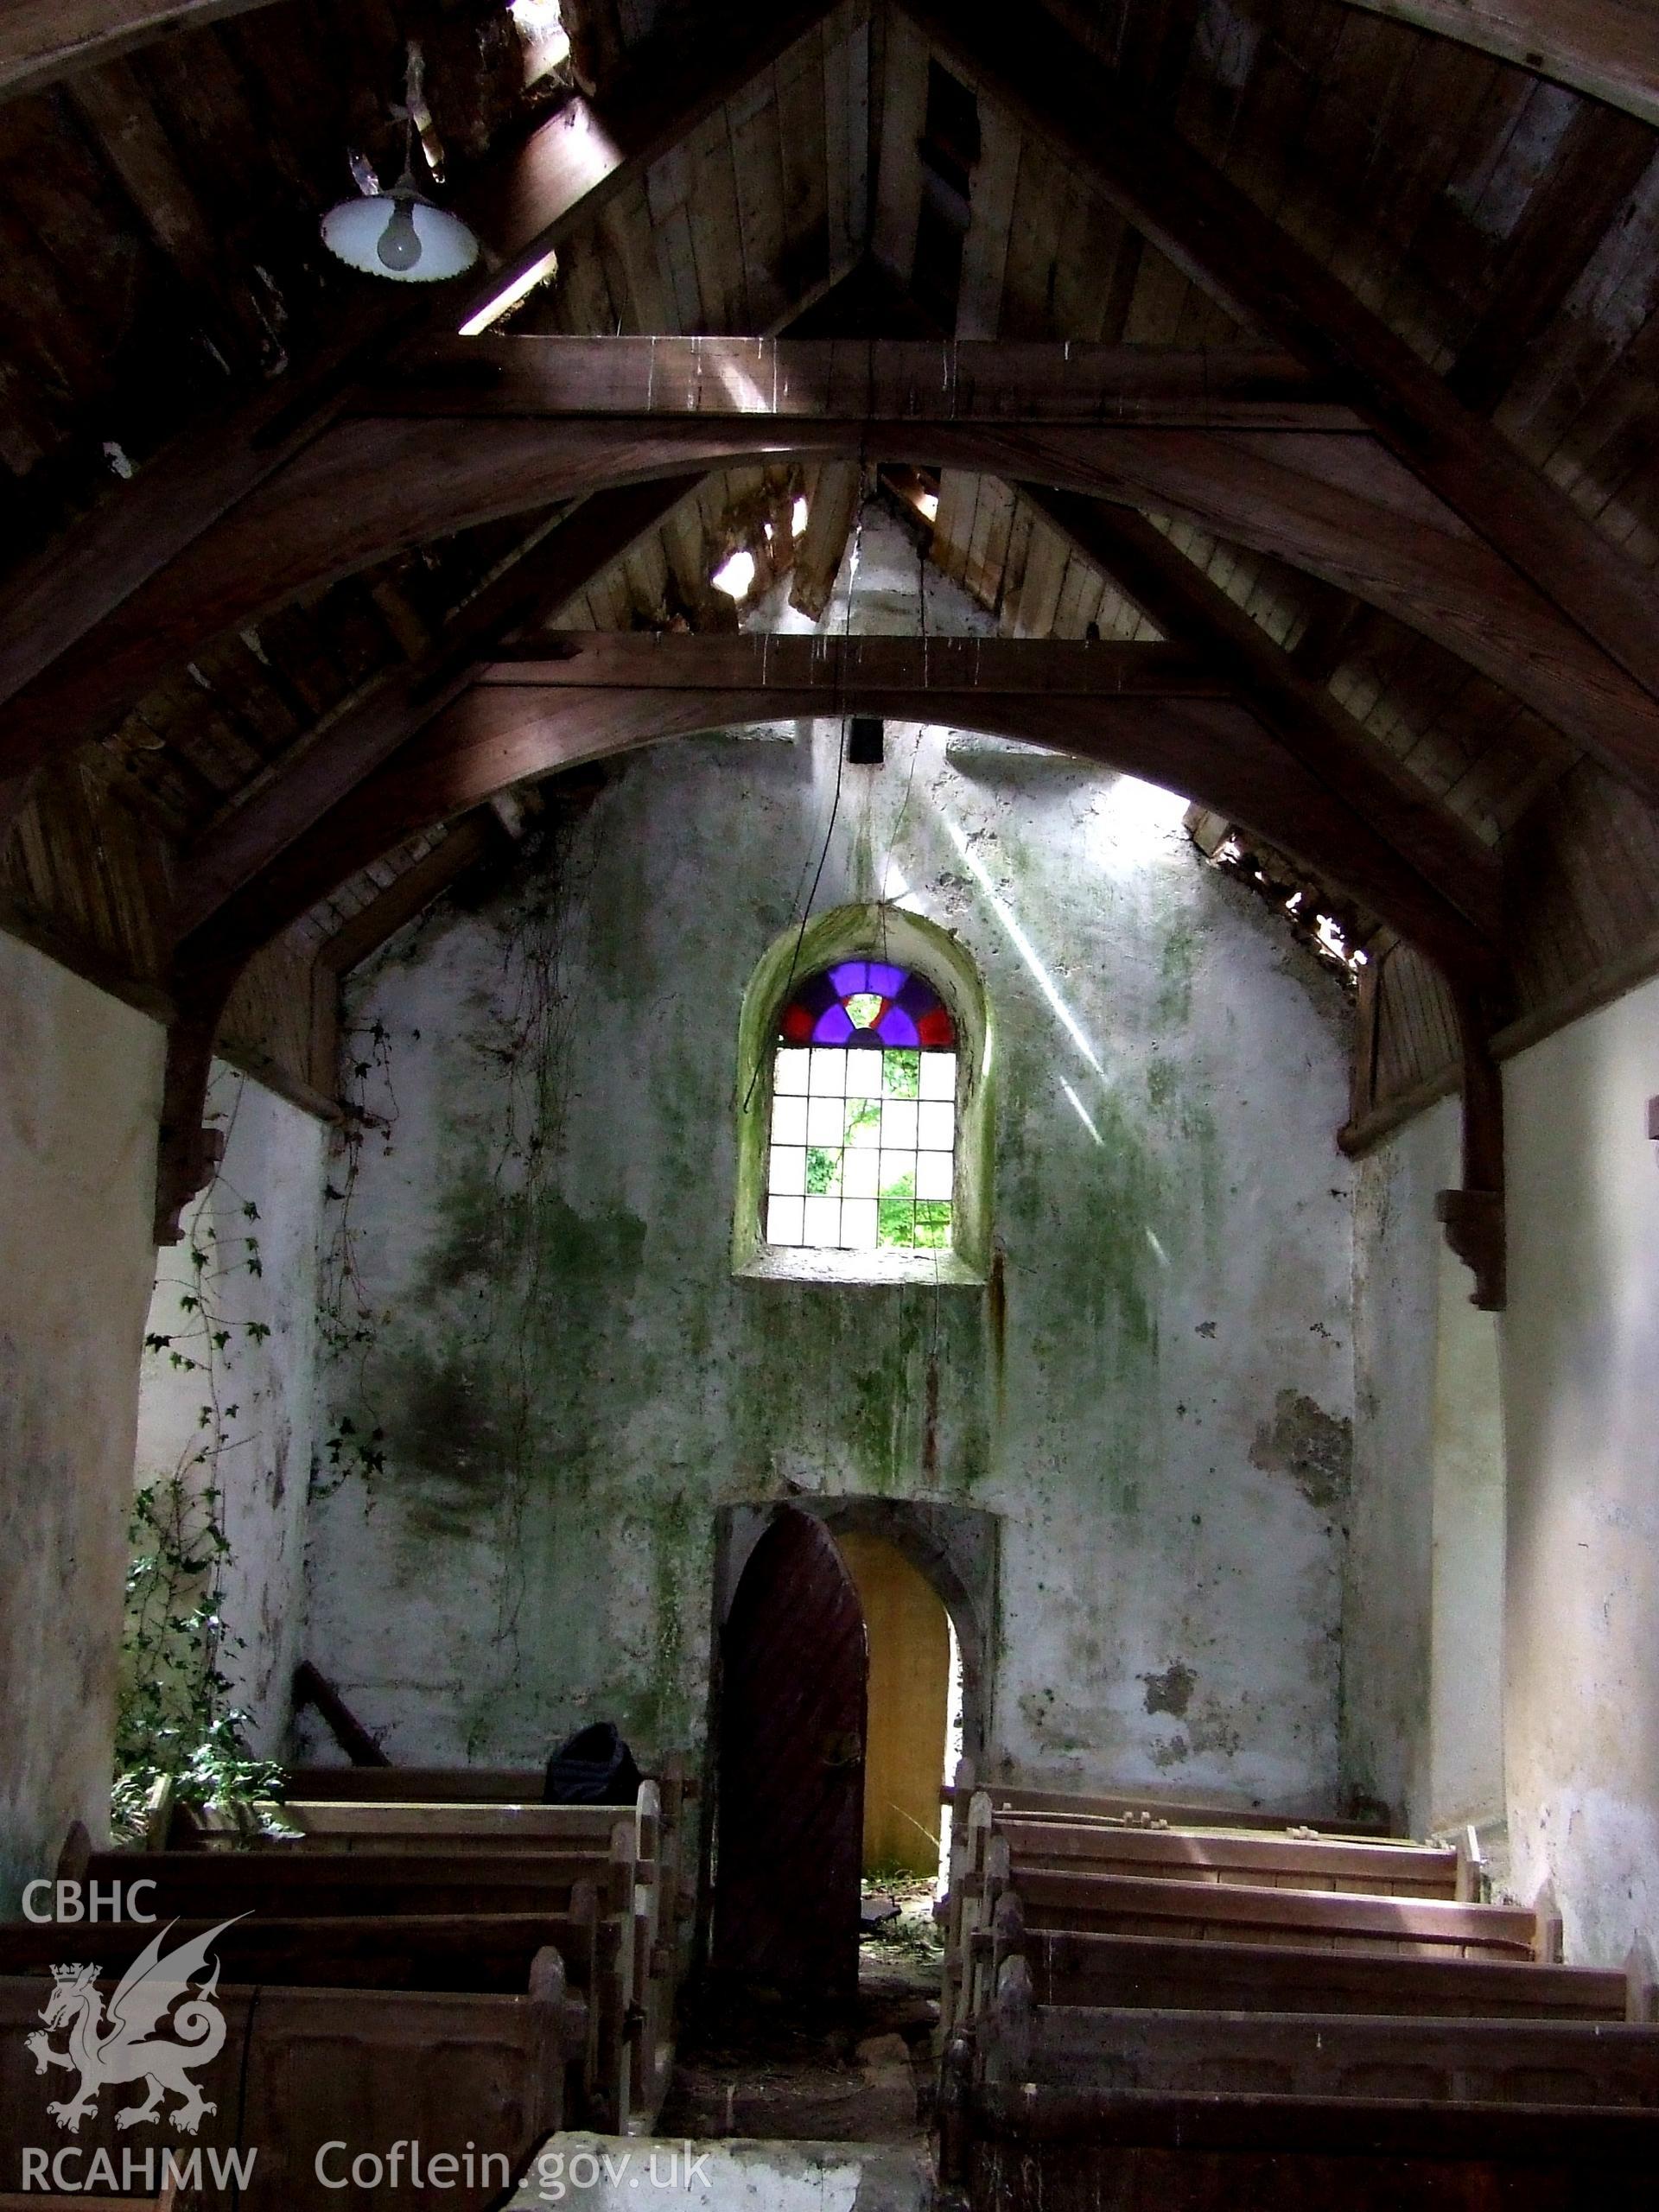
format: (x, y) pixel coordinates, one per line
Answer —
(400, 234)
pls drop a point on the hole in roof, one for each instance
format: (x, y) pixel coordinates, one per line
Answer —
(547, 45)
(735, 575)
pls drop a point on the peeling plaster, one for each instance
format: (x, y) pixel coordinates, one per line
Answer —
(1314, 1448)
(1172, 1691)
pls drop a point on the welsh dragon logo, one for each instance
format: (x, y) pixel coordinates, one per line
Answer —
(110, 2049)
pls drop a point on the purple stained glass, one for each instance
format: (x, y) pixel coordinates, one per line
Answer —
(853, 976)
(909, 1011)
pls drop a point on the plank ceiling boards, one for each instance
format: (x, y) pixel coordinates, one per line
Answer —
(761, 210)
(1419, 171)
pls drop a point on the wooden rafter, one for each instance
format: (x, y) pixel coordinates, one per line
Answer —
(1272, 283)
(1327, 741)
(811, 379)
(1598, 164)
(473, 839)
(568, 559)
(831, 511)
(44, 41)
(56, 616)
(1148, 711)
(943, 672)
(1331, 502)
(1609, 48)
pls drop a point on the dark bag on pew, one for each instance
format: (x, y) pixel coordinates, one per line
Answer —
(595, 1768)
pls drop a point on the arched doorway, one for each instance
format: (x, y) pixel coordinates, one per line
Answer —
(914, 1669)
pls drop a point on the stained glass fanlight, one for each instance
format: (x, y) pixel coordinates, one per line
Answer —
(869, 1003)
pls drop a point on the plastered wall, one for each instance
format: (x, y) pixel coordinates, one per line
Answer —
(1504, 1569)
(1155, 1392)
(256, 1229)
(79, 1092)
(1581, 1353)
(1423, 1614)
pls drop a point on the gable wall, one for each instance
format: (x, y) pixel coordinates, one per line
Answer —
(1155, 1395)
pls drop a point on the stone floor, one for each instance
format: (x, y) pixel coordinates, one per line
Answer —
(617, 2173)
(763, 2069)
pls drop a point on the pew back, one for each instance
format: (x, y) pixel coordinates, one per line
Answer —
(1406, 1927)
(1252, 1857)
(1069, 1967)
(1571, 2064)
(299, 2068)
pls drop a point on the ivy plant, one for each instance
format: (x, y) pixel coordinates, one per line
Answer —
(175, 1723)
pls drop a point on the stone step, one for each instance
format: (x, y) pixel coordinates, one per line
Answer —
(584, 2172)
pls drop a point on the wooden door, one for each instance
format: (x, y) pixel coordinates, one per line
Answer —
(794, 1664)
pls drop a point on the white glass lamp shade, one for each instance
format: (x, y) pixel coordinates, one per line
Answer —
(398, 234)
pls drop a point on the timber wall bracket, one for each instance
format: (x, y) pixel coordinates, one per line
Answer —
(1474, 1225)
(1473, 1217)
(187, 1151)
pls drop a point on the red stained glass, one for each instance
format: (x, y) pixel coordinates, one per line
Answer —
(912, 1014)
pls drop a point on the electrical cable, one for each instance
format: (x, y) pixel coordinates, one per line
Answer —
(835, 804)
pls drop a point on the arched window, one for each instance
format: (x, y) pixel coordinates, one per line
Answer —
(862, 1155)
(864, 1122)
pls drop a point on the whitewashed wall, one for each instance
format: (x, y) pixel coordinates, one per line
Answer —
(79, 1094)
(1580, 1345)
(1156, 1397)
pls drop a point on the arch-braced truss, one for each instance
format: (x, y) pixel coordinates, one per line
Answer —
(1342, 455)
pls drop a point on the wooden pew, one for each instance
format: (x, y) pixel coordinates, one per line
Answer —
(287, 1883)
(1183, 2053)
(429, 1808)
(677, 1791)
(1217, 1885)
(1200, 2018)
(301, 2068)
(1201, 2110)
(1252, 1857)
(1115, 1905)
(664, 1895)
(573, 1838)
(1069, 1967)
(489, 1954)
(1145, 1807)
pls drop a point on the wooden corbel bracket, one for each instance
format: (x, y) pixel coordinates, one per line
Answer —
(1473, 1217)
(187, 1151)
(1473, 1221)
